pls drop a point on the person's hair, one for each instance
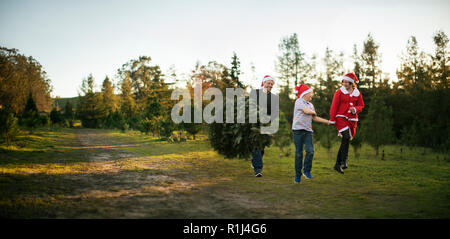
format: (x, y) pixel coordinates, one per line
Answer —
(353, 84)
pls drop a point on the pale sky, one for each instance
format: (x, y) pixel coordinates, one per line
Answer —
(74, 38)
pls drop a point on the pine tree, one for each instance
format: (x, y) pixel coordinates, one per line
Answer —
(68, 113)
(236, 71)
(283, 138)
(377, 130)
(291, 64)
(371, 61)
(292, 69)
(109, 98)
(412, 75)
(440, 61)
(192, 128)
(90, 108)
(127, 103)
(238, 140)
(9, 127)
(324, 93)
(356, 143)
(56, 117)
(30, 116)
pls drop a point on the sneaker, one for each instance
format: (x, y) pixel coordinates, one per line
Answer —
(297, 179)
(258, 175)
(338, 169)
(307, 175)
(344, 165)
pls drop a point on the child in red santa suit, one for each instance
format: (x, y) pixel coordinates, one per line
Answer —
(347, 103)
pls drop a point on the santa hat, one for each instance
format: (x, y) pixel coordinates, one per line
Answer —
(266, 78)
(351, 77)
(302, 90)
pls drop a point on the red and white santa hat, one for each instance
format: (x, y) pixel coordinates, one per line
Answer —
(266, 78)
(302, 90)
(351, 77)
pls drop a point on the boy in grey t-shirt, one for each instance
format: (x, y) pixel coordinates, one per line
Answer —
(304, 114)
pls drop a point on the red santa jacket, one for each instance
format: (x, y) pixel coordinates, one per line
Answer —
(341, 104)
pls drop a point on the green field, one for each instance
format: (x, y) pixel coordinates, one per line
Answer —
(87, 173)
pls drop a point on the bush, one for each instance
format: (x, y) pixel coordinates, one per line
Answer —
(44, 120)
(56, 117)
(9, 127)
(115, 120)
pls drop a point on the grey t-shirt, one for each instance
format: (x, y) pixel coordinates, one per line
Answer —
(302, 120)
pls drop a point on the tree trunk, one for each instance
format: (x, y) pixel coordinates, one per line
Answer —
(376, 151)
(355, 150)
(193, 136)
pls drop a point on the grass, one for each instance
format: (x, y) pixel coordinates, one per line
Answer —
(87, 173)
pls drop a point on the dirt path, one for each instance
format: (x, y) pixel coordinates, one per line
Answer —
(99, 147)
(119, 184)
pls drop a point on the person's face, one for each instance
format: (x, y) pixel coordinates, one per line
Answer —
(308, 97)
(268, 85)
(346, 84)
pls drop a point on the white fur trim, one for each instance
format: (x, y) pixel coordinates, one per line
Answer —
(355, 92)
(348, 79)
(343, 129)
(351, 119)
(269, 78)
(332, 122)
(305, 92)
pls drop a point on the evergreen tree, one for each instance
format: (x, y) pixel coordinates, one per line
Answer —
(9, 127)
(56, 117)
(127, 103)
(333, 65)
(291, 65)
(109, 98)
(377, 130)
(30, 116)
(283, 138)
(356, 142)
(412, 75)
(69, 115)
(192, 128)
(90, 108)
(236, 71)
(292, 69)
(440, 61)
(371, 61)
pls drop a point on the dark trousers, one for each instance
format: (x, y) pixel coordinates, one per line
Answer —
(257, 160)
(343, 150)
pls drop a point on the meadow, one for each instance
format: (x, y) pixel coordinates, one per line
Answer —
(96, 173)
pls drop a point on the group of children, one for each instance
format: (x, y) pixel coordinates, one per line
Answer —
(347, 103)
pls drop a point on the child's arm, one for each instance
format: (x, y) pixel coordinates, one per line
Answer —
(316, 118)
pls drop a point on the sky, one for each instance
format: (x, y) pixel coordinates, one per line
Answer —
(74, 38)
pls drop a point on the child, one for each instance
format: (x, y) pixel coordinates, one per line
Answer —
(304, 114)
